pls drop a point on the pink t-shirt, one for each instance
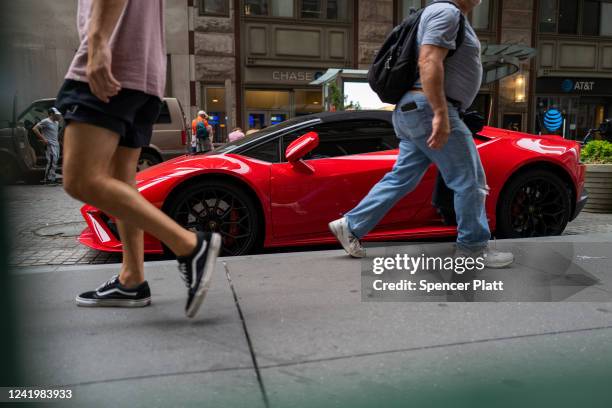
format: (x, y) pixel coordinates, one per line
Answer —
(138, 46)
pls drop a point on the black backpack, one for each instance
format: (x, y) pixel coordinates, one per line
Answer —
(395, 67)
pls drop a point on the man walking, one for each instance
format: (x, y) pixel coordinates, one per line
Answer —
(112, 96)
(427, 122)
(47, 130)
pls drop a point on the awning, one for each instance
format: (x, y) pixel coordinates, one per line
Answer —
(498, 61)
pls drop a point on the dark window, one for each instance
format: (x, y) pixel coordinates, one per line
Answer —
(563, 16)
(256, 7)
(590, 18)
(568, 17)
(548, 16)
(267, 152)
(348, 138)
(214, 7)
(164, 114)
(337, 9)
(311, 9)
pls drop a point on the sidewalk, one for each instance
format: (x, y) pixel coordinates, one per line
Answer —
(299, 335)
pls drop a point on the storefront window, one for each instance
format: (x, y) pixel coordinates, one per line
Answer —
(281, 8)
(307, 102)
(255, 7)
(480, 15)
(214, 7)
(580, 113)
(265, 108)
(267, 100)
(214, 105)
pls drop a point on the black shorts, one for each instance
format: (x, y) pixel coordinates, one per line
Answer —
(131, 114)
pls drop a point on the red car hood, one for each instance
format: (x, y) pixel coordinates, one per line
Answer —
(183, 165)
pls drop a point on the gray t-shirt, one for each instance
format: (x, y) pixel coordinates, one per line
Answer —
(49, 129)
(462, 71)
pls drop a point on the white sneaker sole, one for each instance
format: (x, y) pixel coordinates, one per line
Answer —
(83, 302)
(336, 228)
(209, 268)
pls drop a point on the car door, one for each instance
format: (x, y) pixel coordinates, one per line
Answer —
(351, 157)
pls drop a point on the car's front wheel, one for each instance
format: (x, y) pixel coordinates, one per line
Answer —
(218, 206)
(533, 204)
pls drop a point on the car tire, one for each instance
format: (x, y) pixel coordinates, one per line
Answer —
(533, 204)
(229, 210)
(147, 159)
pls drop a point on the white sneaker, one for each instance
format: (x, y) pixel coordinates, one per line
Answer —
(350, 243)
(492, 259)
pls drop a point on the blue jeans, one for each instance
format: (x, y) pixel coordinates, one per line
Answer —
(458, 162)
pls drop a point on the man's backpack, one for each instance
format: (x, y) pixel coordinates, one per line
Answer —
(395, 68)
(201, 131)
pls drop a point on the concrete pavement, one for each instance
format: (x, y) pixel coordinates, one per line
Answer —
(291, 330)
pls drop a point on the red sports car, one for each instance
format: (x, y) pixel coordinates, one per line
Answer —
(259, 192)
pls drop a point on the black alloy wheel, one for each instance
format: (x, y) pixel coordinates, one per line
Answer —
(218, 206)
(534, 204)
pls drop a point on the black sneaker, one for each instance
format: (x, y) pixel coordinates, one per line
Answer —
(197, 270)
(112, 294)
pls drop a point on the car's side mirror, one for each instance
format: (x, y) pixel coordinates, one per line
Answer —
(301, 147)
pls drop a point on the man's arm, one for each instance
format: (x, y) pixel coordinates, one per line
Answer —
(431, 69)
(104, 17)
(39, 135)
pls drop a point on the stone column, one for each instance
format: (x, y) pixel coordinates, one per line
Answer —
(375, 22)
(516, 28)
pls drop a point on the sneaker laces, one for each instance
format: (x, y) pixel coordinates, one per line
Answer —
(108, 282)
(184, 273)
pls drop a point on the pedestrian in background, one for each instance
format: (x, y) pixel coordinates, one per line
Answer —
(112, 96)
(203, 136)
(47, 130)
(236, 134)
(202, 117)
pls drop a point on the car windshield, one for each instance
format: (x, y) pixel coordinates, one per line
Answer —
(231, 146)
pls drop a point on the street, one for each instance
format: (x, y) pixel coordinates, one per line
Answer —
(46, 223)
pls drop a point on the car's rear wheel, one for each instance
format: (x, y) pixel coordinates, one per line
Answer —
(534, 204)
(218, 206)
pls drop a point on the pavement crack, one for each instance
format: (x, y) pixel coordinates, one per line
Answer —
(262, 387)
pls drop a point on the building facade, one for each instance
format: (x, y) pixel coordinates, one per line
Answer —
(280, 46)
(40, 39)
(249, 63)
